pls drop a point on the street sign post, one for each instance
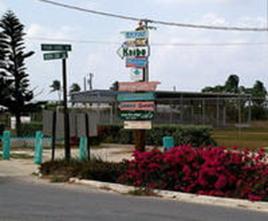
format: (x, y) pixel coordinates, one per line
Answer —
(60, 52)
(56, 47)
(56, 55)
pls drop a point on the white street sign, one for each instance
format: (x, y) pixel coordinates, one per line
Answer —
(136, 34)
(138, 125)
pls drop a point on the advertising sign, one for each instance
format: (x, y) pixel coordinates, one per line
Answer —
(138, 86)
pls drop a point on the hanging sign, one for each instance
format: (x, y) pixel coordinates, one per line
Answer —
(138, 125)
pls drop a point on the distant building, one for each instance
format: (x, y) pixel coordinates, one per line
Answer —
(173, 107)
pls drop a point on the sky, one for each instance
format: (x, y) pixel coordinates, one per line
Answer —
(187, 68)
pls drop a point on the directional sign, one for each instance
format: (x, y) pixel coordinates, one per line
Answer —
(150, 96)
(136, 62)
(136, 74)
(137, 115)
(138, 86)
(136, 42)
(56, 47)
(136, 34)
(136, 52)
(138, 125)
(55, 55)
(137, 106)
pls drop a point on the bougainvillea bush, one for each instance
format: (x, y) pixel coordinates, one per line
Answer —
(216, 171)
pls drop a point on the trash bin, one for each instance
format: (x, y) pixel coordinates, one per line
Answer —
(168, 142)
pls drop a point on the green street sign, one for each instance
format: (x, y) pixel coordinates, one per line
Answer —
(56, 47)
(55, 55)
(150, 96)
(137, 115)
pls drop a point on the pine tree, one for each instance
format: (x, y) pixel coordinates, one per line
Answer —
(13, 69)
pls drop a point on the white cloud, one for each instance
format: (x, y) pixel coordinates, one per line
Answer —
(3, 6)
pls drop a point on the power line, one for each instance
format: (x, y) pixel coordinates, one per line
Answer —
(190, 44)
(124, 17)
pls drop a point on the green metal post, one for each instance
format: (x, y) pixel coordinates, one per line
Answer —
(38, 147)
(83, 153)
(6, 145)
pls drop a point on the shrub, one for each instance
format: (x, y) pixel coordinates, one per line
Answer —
(194, 135)
(95, 169)
(210, 171)
(29, 129)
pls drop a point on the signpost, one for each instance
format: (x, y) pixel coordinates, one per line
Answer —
(60, 52)
(137, 108)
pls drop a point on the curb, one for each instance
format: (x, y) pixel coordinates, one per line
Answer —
(178, 196)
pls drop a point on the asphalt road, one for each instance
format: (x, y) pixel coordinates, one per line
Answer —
(24, 199)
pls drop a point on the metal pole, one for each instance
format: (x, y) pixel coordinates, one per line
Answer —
(65, 113)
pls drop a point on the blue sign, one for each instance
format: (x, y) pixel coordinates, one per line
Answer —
(136, 62)
(136, 34)
(149, 96)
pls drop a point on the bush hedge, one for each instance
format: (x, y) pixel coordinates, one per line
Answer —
(213, 171)
(194, 135)
(95, 169)
(29, 129)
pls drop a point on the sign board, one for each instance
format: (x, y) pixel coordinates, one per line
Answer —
(136, 52)
(136, 43)
(55, 55)
(136, 34)
(56, 47)
(136, 74)
(137, 106)
(137, 115)
(138, 125)
(149, 96)
(136, 62)
(138, 86)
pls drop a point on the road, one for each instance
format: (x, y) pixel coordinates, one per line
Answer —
(29, 199)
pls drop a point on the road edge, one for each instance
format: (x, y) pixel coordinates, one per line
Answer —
(178, 196)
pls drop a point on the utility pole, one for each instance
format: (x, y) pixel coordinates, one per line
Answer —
(140, 135)
(65, 112)
(90, 81)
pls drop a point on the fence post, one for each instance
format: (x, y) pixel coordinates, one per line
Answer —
(83, 153)
(168, 142)
(6, 145)
(38, 147)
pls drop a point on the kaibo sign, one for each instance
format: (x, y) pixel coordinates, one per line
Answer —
(125, 51)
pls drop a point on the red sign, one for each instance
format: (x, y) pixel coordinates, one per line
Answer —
(138, 86)
(137, 106)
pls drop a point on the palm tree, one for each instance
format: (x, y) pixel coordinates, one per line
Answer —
(75, 88)
(56, 86)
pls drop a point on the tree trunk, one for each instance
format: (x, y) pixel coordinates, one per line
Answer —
(18, 124)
